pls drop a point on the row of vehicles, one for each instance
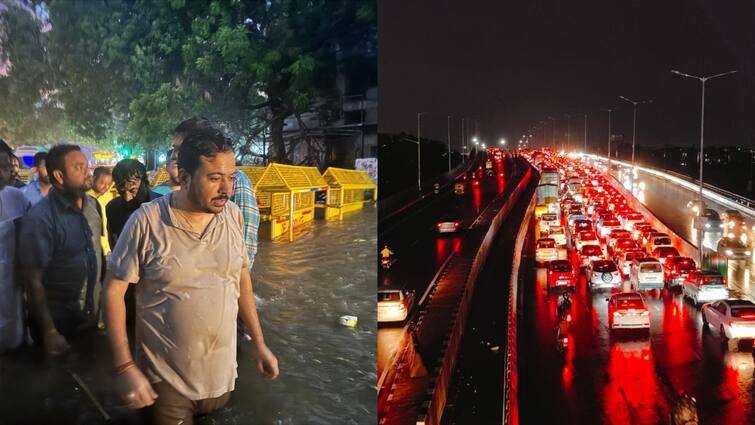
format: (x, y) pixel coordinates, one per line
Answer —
(616, 247)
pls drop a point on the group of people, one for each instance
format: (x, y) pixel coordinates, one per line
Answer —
(172, 263)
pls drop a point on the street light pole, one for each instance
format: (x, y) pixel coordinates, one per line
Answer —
(449, 143)
(701, 155)
(419, 144)
(585, 139)
(634, 131)
(553, 133)
(568, 133)
(610, 111)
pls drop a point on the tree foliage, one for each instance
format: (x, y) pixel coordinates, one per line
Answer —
(132, 69)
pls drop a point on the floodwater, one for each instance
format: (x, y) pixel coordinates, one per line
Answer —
(327, 371)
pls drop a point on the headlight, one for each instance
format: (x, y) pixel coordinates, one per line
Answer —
(707, 225)
(729, 252)
(721, 225)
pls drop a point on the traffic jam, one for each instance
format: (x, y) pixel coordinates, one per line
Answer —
(613, 290)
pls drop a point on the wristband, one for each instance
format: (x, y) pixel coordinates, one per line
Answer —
(124, 367)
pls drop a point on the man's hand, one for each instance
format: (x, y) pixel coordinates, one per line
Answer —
(135, 389)
(267, 364)
(55, 343)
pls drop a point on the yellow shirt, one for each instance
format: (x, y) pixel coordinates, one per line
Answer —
(103, 201)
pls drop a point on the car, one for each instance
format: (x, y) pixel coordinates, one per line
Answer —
(448, 224)
(586, 237)
(676, 269)
(545, 250)
(625, 259)
(639, 229)
(581, 225)
(561, 274)
(733, 249)
(705, 286)
(656, 240)
(557, 233)
(631, 219)
(663, 253)
(623, 244)
(645, 236)
(459, 188)
(646, 273)
(572, 218)
(628, 310)
(547, 220)
(709, 221)
(605, 227)
(394, 305)
(589, 253)
(603, 274)
(613, 236)
(733, 319)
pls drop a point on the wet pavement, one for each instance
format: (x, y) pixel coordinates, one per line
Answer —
(327, 371)
(420, 251)
(627, 377)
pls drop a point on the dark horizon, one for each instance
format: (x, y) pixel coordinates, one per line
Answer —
(512, 65)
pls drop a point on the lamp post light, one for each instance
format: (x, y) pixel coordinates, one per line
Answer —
(610, 112)
(585, 139)
(419, 155)
(553, 133)
(568, 133)
(702, 138)
(634, 131)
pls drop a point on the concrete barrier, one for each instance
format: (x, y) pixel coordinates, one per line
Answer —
(510, 368)
(684, 246)
(437, 403)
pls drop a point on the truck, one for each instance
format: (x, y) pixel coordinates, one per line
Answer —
(547, 192)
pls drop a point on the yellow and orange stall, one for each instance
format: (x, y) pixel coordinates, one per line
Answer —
(349, 191)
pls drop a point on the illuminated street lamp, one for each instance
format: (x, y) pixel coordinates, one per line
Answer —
(503, 142)
(634, 128)
(702, 128)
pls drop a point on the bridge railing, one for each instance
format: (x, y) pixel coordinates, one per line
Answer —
(721, 196)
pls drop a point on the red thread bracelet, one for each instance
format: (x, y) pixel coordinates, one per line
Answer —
(124, 367)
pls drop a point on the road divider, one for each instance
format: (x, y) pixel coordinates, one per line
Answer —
(510, 370)
(433, 410)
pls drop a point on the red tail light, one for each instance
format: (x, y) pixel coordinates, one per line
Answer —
(568, 317)
(724, 280)
(565, 340)
(439, 225)
(456, 224)
(748, 316)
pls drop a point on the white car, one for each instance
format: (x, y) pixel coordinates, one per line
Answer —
(627, 310)
(548, 220)
(545, 250)
(586, 237)
(603, 274)
(394, 305)
(646, 273)
(625, 259)
(658, 240)
(605, 227)
(557, 233)
(705, 286)
(733, 319)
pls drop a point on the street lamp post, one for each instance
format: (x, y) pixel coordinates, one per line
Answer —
(634, 131)
(610, 111)
(419, 144)
(449, 143)
(701, 155)
(585, 140)
(553, 133)
(568, 133)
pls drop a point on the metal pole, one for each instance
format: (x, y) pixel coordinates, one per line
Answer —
(449, 143)
(634, 132)
(568, 133)
(702, 158)
(585, 140)
(419, 140)
(609, 141)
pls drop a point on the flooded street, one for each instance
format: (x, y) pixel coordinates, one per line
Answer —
(327, 371)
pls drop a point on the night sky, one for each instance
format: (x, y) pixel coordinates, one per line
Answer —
(510, 64)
